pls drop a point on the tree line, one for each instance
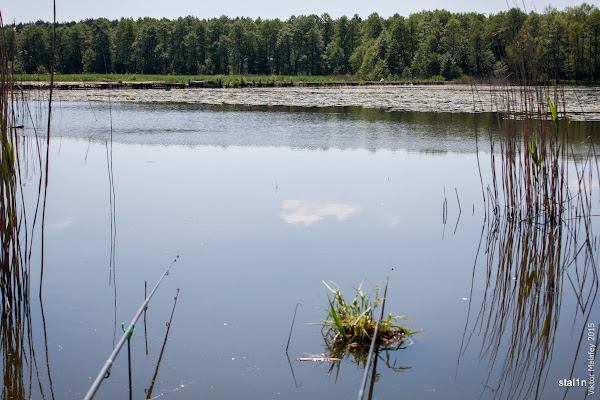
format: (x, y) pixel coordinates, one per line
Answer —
(559, 45)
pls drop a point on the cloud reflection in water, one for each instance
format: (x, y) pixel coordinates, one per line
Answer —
(60, 226)
(307, 213)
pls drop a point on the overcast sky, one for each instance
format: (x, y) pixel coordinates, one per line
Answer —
(76, 10)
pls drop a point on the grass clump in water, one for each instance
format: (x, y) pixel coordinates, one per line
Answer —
(353, 322)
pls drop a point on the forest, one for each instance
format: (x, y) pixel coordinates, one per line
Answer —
(437, 45)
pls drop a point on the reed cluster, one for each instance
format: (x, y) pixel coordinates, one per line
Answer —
(15, 351)
(353, 322)
(537, 238)
(533, 155)
(14, 270)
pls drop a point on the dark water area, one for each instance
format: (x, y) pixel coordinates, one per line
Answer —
(261, 126)
(279, 126)
(262, 204)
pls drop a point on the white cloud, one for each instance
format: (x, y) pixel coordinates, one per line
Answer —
(307, 213)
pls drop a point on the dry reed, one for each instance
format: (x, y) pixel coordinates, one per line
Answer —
(537, 239)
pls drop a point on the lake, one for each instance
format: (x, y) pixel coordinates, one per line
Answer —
(262, 204)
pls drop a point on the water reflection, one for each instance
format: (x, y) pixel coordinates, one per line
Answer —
(204, 218)
(317, 128)
(24, 376)
(15, 339)
(60, 226)
(307, 213)
(336, 354)
(342, 352)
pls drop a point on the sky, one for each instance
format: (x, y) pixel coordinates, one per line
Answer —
(77, 10)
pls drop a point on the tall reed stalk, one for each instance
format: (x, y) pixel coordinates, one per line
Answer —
(14, 268)
(539, 241)
(17, 350)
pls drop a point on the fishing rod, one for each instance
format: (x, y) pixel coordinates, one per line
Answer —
(361, 392)
(105, 371)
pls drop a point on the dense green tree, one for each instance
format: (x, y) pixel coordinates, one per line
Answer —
(314, 50)
(480, 57)
(576, 36)
(593, 25)
(183, 46)
(194, 43)
(334, 59)
(452, 41)
(552, 45)
(374, 65)
(412, 27)
(123, 46)
(426, 63)
(97, 57)
(555, 44)
(147, 49)
(10, 44)
(449, 68)
(358, 56)
(327, 27)
(308, 45)
(345, 40)
(34, 52)
(285, 48)
(243, 37)
(217, 33)
(269, 61)
(398, 54)
(372, 27)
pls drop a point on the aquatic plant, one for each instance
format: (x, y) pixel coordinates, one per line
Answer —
(357, 331)
(353, 322)
(17, 350)
(13, 270)
(537, 237)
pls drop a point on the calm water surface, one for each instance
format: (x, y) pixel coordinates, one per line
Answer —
(262, 206)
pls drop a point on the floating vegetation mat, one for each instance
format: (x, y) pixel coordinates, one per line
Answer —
(580, 103)
(351, 324)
